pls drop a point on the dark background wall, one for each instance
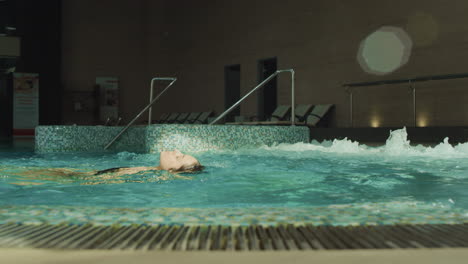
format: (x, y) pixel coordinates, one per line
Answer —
(38, 25)
(106, 38)
(70, 43)
(194, 41)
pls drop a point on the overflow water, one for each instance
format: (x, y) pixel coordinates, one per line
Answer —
(336, 182)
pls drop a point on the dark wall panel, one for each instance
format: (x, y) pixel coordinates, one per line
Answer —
(39, 26)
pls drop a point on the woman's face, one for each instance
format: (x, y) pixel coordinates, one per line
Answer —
(177, 161)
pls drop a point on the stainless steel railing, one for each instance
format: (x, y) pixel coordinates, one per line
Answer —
(411, 83)
(293, 115)
(152, 101)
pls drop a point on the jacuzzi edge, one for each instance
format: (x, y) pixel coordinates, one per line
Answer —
(155, 138)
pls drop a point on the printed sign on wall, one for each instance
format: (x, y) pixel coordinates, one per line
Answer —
(25, 103)
(109, 98)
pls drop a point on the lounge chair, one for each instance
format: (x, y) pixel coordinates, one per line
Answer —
(301, 112)
(238, 119)
(172, 118)
(280, 113)
(317, 114)
(213, 118)
(203, 118)
(279, 116)
(162, 118)
(181, 118)
(192, 118)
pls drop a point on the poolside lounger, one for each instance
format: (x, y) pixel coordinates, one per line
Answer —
(162, 118)
(181, 118)
(238, 119)
(172, 118)
(212, 118)
(279, 115)
(192, 118)
(203, 118)
(273, 123)
(301, 112)
(317, 114)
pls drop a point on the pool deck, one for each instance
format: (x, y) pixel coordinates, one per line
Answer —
(413, 256)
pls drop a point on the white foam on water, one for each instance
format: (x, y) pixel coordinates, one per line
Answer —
(335, 146)
(397, 145)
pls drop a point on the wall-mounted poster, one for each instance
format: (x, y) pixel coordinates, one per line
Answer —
(25, 103)
(109, 98)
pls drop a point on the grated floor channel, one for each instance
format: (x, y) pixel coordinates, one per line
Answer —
(227, 238)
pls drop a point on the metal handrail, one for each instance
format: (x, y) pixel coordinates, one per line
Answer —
(173, 80)
(293, 116)
(411, 81)
(150, 111)
(349, 90)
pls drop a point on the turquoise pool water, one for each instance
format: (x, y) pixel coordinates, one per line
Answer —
(339, 182)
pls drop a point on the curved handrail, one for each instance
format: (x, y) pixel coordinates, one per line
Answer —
(173, 80)
(293, 119)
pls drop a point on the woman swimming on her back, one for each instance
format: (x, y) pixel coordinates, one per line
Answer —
(171, 161)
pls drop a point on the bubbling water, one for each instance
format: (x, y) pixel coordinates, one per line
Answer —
(396, 182)
(397, 144)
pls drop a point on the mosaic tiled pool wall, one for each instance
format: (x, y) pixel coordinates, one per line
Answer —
(155, 138)
(193, 138)
(88, 139)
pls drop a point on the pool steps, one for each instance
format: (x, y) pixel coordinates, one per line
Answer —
(232, 238)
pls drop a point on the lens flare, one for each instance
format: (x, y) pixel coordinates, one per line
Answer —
(384, 50)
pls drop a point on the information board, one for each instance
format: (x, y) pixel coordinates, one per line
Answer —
(25, 103)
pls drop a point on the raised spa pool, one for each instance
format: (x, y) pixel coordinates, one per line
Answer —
(335, 183)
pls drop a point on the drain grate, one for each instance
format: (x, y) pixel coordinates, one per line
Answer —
(227, 238)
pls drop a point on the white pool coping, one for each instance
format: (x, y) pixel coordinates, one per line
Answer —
(413, 256)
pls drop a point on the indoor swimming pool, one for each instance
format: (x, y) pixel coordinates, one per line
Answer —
(328, 183)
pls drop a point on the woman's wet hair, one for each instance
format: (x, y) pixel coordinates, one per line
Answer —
(191, 169)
